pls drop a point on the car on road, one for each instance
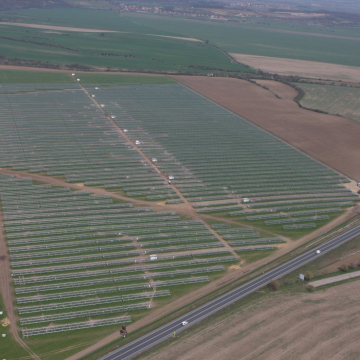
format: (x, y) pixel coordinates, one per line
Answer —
(184, 323)
(317, 251)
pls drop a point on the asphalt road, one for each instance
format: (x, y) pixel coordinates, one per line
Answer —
(140, 345)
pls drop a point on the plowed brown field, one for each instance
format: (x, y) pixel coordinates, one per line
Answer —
(311, 326)
(330, 139)
(311, 69)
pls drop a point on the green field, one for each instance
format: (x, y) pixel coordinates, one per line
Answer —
(261, 39)
(33, 77)
(134, 45)
(112, 50)
(337, 100)
(130, 47)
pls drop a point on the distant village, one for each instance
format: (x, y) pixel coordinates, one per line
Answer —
(160, 10)
(248, 10)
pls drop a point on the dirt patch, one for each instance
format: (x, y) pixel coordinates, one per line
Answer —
(352, 186)
(321, 325)
(5, 322)
(177, 37)
(330, 139)
(312, 69)
(50, 27)
(234, 267)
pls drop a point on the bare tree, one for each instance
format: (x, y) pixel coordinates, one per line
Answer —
(344, 267)
(273, 285)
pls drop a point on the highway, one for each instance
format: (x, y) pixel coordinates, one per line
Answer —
(147, 341)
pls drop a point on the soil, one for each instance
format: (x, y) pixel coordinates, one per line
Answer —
(312, 69)
(321, 325)
(330, 139)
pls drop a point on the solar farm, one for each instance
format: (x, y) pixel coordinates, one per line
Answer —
(175, 190)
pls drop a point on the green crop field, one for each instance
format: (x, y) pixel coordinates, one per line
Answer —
(133, 44)
(113, 50)
(129, 47)
(33, 77)
(261, 39)
(338, 100)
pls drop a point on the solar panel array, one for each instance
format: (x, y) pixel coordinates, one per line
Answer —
(216, 158)
(81, 260)
(65, 133)
(72, 250)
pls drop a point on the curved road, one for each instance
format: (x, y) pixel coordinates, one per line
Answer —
(145, 342)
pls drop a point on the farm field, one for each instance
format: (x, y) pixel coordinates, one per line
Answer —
(265, 38)
(301, 128)
(261, 329)
(97, 50)
(138, 49)
(338, 100)
(100, 172)
(259, 325)
(311, 69)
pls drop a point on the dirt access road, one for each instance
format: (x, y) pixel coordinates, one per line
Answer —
(312, 326)
(330, 139)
